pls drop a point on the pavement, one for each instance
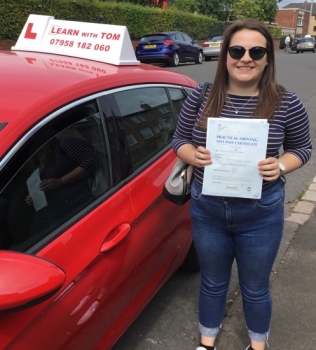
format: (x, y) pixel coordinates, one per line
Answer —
(293, 285)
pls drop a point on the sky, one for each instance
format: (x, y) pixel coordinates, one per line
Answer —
(287, 2)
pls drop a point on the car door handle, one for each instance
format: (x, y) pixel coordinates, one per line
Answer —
(120, 232)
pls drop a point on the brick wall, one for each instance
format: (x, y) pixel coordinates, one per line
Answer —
(6, 44)
(288, 18)
(305, 24)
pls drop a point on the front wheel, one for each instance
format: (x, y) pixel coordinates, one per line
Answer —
(200, 58)
(175, 60)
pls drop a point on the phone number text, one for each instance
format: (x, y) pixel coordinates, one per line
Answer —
(80, 45)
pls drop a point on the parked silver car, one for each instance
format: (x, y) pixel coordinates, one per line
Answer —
(212, 47)
(305, 44)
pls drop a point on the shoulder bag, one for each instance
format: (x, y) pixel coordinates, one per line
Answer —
(177, 188)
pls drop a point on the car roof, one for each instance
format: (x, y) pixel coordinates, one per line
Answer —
(306, 38)
(33, 85)
(163, 33)
(217, 37)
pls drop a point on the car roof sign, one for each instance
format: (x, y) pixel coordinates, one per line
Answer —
(93, 41)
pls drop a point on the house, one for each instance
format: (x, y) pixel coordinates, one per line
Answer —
(161, 3)
(296, 19)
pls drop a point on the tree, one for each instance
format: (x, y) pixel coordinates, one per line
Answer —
(270, 9)
(218, 9)
(263, 10)
(185, 5)
(247, 9)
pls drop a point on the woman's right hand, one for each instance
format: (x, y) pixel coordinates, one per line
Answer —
(28, 200)
(202, 157)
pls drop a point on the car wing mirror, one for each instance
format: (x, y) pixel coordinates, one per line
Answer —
(26, 280)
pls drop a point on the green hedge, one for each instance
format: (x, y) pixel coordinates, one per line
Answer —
(276, 31)
(138, 19)
(282, 41)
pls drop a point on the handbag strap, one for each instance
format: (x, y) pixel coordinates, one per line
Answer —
(203, 91)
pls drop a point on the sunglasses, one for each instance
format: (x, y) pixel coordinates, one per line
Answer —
(256, 52)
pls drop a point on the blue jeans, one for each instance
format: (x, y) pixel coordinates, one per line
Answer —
(249, 231)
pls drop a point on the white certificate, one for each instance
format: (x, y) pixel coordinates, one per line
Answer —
(236, 146)
(38, 196)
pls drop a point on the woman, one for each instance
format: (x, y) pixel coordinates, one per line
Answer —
(64, 164)
(248, 230)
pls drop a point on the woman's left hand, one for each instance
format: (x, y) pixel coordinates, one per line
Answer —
(269, 169)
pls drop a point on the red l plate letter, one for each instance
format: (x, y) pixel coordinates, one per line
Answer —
(29, 34)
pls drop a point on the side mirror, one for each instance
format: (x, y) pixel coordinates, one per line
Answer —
(27, 280)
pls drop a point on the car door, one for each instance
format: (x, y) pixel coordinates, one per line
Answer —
(193, 50)
(83, 227)
(183, 48)
(161, 229)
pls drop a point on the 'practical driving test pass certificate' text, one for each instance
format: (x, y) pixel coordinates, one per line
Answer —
(236, 146)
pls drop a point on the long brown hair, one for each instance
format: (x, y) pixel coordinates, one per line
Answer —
(270, 93)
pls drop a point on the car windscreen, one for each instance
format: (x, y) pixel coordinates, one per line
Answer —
(306, 40)
(217, 38)
(152, 38)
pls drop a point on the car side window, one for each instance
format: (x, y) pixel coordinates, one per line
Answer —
(178, 36)
(148, 120)
(65, 169)
(177, 97)
(187, 38)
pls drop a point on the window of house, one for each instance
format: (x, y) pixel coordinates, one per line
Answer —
(300, 20)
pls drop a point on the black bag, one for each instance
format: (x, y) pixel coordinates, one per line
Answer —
(177, 188)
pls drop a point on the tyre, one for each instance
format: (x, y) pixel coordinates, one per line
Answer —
(191, 262)
(175, 60)
(207, 58)
(200, 58)
(297, 52)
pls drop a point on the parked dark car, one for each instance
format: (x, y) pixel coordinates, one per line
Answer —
(293, 45)
(170, 48)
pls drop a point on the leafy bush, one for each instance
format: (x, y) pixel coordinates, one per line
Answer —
(276, 32)
(138, 19)
(282, 41)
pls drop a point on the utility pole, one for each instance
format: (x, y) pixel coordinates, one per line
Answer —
(310, 16)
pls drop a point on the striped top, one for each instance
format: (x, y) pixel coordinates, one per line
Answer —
(289, 128)
(69, 154)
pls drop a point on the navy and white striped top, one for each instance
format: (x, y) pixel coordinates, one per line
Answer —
(289, 128)
(70, 153)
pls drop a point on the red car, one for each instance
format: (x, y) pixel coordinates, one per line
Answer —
(86, 238)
